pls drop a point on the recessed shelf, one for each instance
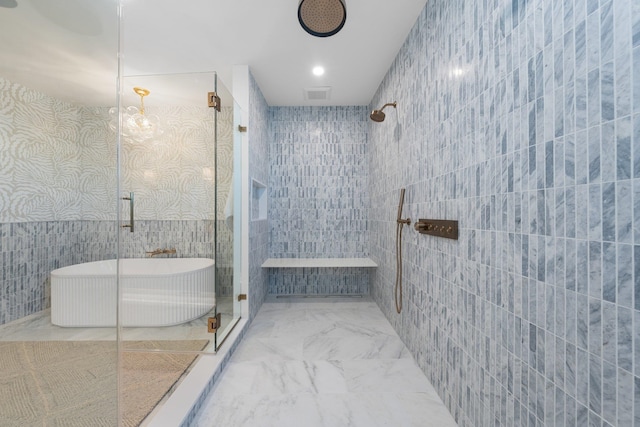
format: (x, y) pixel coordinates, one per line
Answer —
(258, 200)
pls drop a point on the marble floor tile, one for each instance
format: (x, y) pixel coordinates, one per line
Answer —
(328, 410)
(322, 362)
(354, 348)
(299, 377)
(263, 349)
(395, 376)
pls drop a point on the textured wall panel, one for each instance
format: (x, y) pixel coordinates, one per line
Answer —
(59, 161)
(173, 176)
(40, 163)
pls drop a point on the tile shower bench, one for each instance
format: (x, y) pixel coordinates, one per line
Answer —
(319, 276)
(318, 263)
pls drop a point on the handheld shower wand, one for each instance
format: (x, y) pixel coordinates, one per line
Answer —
(399, 224)
(399, 220)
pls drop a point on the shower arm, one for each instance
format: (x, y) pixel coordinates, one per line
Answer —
(392, 104)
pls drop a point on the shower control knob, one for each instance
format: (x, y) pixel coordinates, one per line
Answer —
(438, 227)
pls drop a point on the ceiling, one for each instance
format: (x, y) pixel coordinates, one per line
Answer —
(67, 48)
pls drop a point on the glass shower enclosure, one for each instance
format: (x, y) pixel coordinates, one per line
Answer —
(124, 194)
(177, 205)
(58, 74)
(177, 294)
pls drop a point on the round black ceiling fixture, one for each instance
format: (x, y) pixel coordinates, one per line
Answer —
(322, 18)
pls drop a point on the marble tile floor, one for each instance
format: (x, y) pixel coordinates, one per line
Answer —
(322, 363)
(38, 327)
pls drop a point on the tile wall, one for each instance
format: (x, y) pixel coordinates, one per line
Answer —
(318, 200)
(521, 120)
(29, 251)
(319, 281)
(259, 137)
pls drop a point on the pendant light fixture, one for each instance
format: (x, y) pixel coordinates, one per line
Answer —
(322, 18)
(137, 126)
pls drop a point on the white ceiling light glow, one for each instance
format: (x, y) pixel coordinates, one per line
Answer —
(318, 71)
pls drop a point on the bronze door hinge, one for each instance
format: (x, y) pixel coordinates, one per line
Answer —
(213, 323)
(214, 101)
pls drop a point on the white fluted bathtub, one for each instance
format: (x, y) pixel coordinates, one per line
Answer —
(155, 292)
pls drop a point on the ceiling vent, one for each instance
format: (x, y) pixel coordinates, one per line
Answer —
(320, 93)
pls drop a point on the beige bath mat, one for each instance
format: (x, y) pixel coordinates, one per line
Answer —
(74, 383)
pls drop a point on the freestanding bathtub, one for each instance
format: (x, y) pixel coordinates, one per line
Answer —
(155, 292)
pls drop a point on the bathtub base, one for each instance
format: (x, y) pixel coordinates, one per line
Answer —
(152, 294)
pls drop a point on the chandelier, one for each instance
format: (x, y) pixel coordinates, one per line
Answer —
(136, 125)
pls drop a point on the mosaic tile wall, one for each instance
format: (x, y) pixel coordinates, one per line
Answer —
(319, 281)
(224, 259)
(29, 251)
(318, 199)
(259, 137)
(520, 119)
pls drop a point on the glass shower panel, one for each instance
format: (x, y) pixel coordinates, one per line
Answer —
(58, 73)
(168, 209)
(176, 239)
(228, 222)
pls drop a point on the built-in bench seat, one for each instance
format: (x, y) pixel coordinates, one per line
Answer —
(318, 263)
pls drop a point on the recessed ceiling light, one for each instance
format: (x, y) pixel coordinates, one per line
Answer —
(318, 71)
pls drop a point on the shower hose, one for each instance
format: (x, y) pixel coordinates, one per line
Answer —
(398, 288)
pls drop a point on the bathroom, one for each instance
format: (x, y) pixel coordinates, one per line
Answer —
(518, 119)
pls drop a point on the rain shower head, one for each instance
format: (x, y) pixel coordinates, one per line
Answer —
(378, 115)
(322, 18)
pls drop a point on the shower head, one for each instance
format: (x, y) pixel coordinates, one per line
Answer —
(322, 18)
(378, 115)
